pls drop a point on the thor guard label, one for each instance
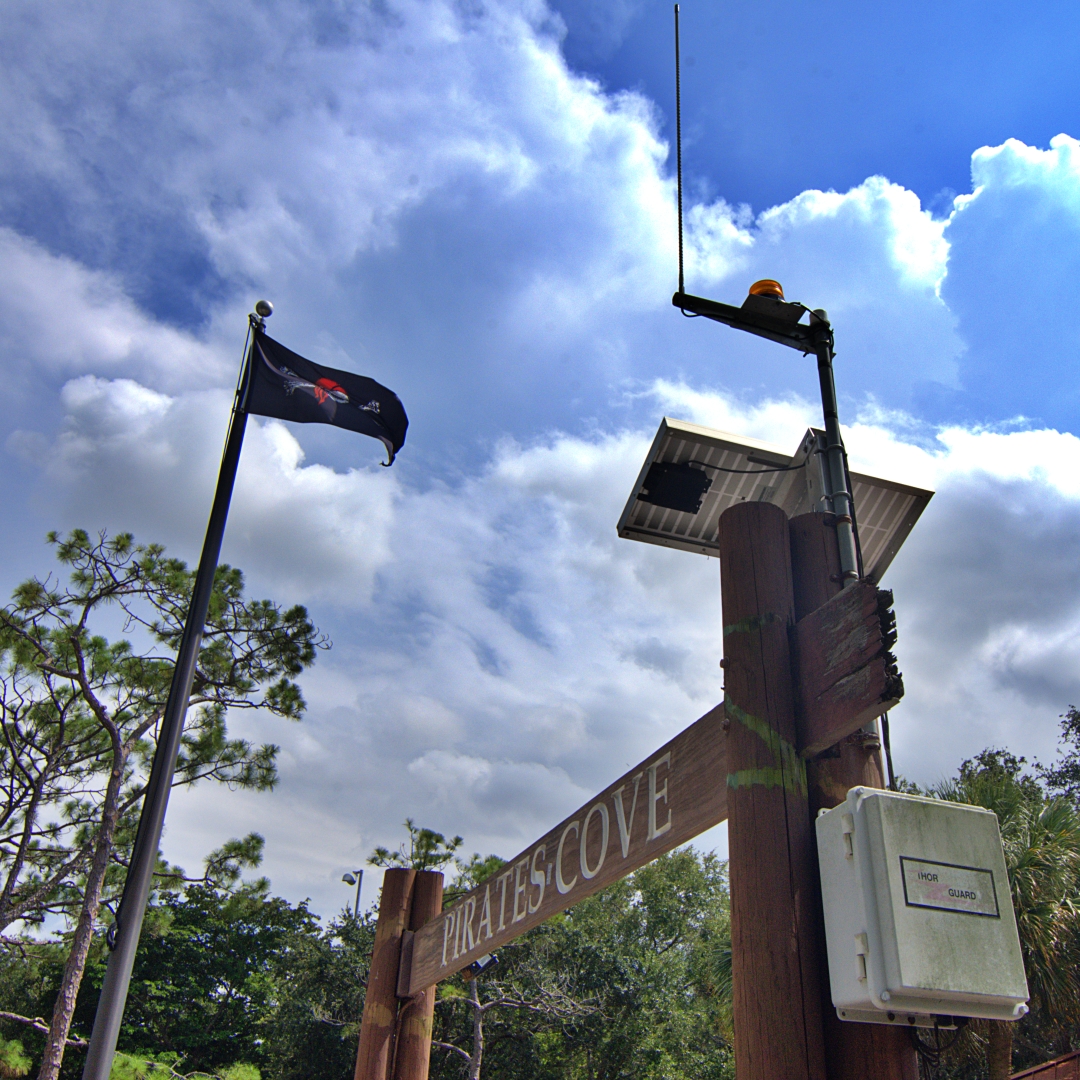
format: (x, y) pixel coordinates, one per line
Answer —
(948, 887)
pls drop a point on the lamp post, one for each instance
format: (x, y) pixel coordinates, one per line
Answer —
(850, 1050)
(355, 878)
(766, 314)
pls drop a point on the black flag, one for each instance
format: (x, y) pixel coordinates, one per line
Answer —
(286, 386)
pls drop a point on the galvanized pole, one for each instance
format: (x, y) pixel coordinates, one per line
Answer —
(124, 936)
(834, 451)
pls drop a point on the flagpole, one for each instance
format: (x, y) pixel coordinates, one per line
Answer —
(124, 935)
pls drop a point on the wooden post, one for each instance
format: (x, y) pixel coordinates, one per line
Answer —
(375, 1054)
(775, 956)
(852, 1051)
(412, 1057)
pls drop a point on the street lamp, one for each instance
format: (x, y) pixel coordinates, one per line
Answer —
(355, 878)
(767, 314)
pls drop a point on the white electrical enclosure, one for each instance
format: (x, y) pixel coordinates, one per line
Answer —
(918, 917)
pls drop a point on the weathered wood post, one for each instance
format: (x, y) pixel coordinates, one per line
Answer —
(375, 1054)
(412, 1055)
(852, 1051)
(775, 955)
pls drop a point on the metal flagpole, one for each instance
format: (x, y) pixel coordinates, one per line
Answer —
(124, 937)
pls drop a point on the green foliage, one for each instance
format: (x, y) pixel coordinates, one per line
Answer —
(633, 982)
(427, 850)
(79, 715)
(204, 988)
(13, 1060)
(222, 868)
(28, 978)
(1064, 776)
(167, 1067)
(241, 1072)
(133, 1067)
(1041, 838)
(470, 874)
(312, 1032)
(224, 977)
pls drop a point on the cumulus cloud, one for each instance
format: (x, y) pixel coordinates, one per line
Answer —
(499, 653)
(366, 165)
(1014, 255)
(58, 318)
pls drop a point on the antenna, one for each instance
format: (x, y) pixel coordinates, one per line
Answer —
(678, 143)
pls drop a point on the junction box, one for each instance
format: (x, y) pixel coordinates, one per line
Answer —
(918, 916)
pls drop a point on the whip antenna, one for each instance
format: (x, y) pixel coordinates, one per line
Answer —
(678, 143)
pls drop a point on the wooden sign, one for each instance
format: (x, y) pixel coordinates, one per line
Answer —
(845, 674)
(845, 677)
(672, 796)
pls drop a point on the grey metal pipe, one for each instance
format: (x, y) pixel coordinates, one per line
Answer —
(834, 458)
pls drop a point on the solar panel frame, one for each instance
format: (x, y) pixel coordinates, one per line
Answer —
(885, 510)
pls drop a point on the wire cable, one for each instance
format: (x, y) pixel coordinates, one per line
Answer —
(742, 472)
(886, 738)
(678, 144)
(930, 1055)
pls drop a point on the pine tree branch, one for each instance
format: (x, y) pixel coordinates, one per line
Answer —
(450, 1046)
(38, 1024)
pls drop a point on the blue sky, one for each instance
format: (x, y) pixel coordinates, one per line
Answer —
(780, 97)
(474, 204)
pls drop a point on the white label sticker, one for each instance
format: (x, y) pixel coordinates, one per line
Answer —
(948, 887)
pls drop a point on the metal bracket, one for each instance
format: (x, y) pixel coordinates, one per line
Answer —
(405, 965)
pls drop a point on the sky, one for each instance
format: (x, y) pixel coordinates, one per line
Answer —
(474, 203)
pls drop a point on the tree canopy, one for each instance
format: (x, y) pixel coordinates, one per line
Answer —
(79, 714)
(1040, 832)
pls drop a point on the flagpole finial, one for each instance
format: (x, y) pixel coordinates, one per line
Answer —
(264, 309)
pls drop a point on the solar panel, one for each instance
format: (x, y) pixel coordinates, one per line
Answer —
(682, 490)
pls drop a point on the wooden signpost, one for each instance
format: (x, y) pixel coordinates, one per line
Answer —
(795, 689)
(671, 797)
(852, 1051)
(845, 676)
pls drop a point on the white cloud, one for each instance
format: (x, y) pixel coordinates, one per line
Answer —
(1014, 255)
(499, 653)
(57, 318)
(130, 457)
(367, 165)
(872, 256)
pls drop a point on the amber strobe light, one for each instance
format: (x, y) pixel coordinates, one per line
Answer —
(767, 287)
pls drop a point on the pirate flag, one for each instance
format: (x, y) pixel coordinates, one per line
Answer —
(286, 386)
